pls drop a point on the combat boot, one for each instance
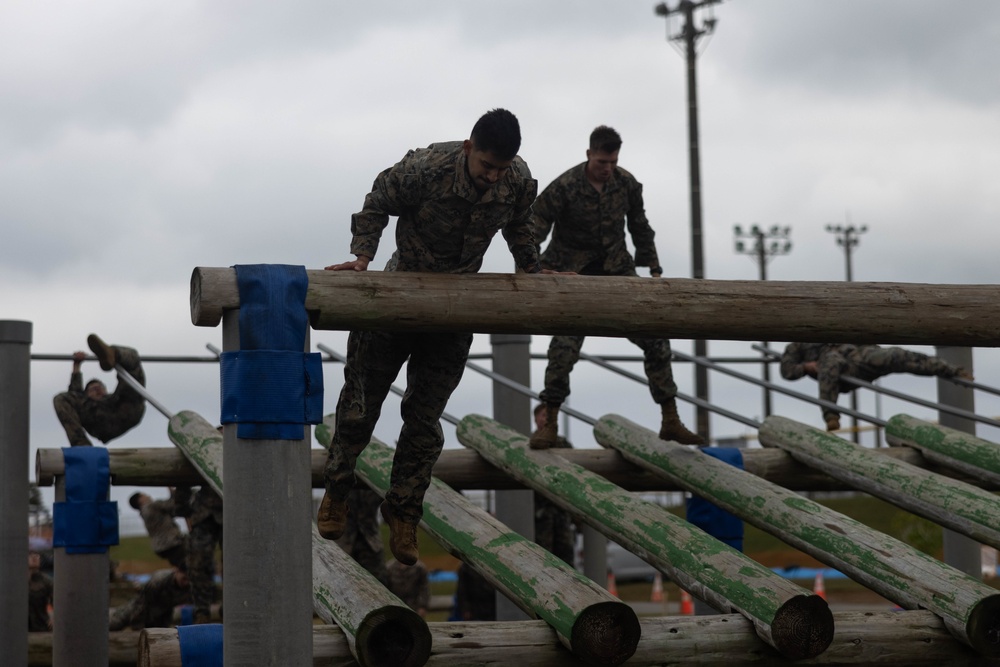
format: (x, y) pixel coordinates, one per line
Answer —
(105, 353)
(547, 435)
(331, 520)
(673, 429)
(833, 423)
(402, 536)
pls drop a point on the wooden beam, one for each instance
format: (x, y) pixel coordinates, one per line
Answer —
(795, 622)
(970, 608)
(915, 313)
(961, 451)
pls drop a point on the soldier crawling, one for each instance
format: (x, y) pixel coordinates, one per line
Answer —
(829, 362)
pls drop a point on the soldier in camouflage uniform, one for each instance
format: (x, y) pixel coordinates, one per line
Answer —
(204, 512)
(40, 591)
(588, 209)
(154, 602)
(554, 529)
(451, 199)
(409, 583)
(362, 539)
(829, 362)
(90, 409)
(165, 537)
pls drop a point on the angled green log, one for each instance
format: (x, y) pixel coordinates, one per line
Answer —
(787, 617)
(969, 608)
(381, 629)
(597, 627)
(975, 457)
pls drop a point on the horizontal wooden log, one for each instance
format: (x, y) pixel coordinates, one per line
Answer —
(792, 620)
(463, 469)
(915, 313)
(948, 447)
(122, 648)
(911, 638)
(970, 608)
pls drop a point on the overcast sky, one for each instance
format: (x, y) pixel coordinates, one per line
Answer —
(140, 140)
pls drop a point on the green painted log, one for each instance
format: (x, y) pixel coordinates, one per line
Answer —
(970, 609)
(786, 616)
(382, 630)
(972, 456)
(597, 627)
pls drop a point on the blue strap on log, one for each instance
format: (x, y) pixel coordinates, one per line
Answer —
(270, 387)
(201, 645)
(714, 520)
(86, 522)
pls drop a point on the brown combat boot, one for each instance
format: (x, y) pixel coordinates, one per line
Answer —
(673, 429)
(331, 520)
(402, 536)
(105, 353)
(833, 423)
(547, 436)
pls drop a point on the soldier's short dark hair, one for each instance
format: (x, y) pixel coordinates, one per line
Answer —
(94, 381)
(134, 500)
(497, 132)
(605, 139)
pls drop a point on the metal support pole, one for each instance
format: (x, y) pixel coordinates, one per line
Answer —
(961, 552)
(15, 386)
(267, 557)
(595, 555)
(512, 359)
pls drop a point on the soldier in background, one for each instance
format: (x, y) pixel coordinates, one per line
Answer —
(451, 199)
(154, 602)
(204, 512)
(166, 539)
(40, 591)
(588, 209)
(475, 597)
(362, 539)
(554, 529)
(409, 583)
(829, 362)
(91, 409)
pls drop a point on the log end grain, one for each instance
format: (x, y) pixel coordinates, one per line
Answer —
(393, 636)
(983, 626)
(606, 633)
(803, 627)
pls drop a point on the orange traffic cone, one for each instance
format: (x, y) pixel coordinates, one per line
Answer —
(612, 585)
(819, 588)
(687, 605)
(657, 594)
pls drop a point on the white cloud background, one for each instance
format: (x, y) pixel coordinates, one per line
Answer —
(140, 140)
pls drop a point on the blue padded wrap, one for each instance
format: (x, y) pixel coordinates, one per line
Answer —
(715, 521)
(201, 645)
(86, 522)
(187, 615)
(270, 387)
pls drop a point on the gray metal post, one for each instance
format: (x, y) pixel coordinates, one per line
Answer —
(15, 385)
(961, 552)
(595, 555)
(512, 359)
(267, 596)
(79, 605)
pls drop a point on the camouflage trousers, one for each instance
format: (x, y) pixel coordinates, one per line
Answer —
(152, 606)
(202, 539)
(870, 362)
(554, 529)
(435, 364)
(362, 539)
(109, 417)
(564, 352)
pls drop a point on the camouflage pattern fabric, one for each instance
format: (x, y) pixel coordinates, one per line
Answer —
(475, 597)
(165, 537)
(362, 539)
(40, 591)
(864, 362)
(109, 417)
(409, 583)
(554, 529)
(205, 512)
(153, 604)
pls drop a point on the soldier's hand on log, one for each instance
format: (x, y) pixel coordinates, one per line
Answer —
(360, 264)
(558, 273)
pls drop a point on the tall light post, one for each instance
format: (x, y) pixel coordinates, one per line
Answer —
(762, 245)
(690, 35)
(848, 239)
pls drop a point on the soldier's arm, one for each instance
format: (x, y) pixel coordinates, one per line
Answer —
(641, 231)
(544, 212)
(518, 232)
(76, 376)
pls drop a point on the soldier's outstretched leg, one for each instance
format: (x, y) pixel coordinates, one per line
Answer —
(564, 352)
(67, 410)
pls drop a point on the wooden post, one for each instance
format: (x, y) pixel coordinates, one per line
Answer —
(949, 447)
(787, 617)
(122, 648)
(913, 313)
(970, 609)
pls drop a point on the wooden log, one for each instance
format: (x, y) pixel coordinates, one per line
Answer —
(792, 620)
(383, 630)
(597, 627)
(964, 315)
(911, 638)
(970, 609)
(123, 649)
(948, 447)
(465, 469)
